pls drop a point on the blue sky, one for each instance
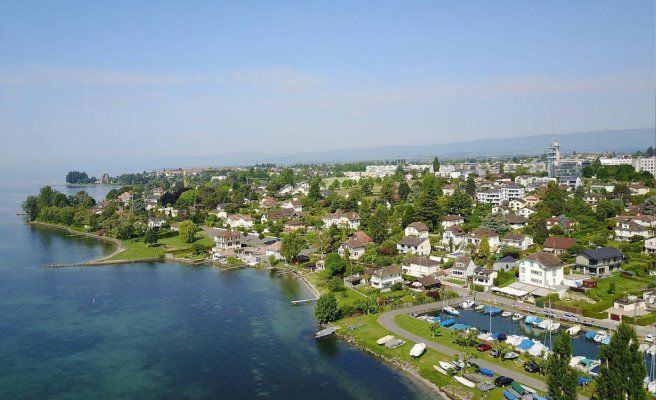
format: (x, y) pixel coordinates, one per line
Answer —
(114, 80)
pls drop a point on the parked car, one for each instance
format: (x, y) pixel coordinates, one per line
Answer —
(494, 353)
(502, 381)
(570, 317)
(550, 314)
(532, 367)
(483, 347)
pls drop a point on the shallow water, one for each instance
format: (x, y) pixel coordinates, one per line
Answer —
(160, 330)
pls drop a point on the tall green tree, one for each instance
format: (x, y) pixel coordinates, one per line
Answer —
(554, 198)
(622, 368)
(326, 309)
(187, 231)
(561, 378)
(31, 207)
(470, 185)
(291, 247)
(459, 203)
(378, 224)
(426, 207)
(403, 190)
(436, 165)
(314, 193)
(150, 236)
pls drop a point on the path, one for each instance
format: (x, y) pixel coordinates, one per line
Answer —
(387, 320)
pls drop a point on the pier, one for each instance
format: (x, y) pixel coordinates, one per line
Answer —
(303, 302)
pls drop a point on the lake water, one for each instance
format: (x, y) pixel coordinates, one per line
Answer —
(160, 330)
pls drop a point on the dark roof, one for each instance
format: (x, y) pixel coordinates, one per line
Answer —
(601, 253)
(514, 236)
(413, 241)
(419, 226)
(546, 259)
(516, 219)
(429, 281)
(508, 258)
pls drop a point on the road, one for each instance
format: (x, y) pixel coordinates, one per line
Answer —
(387, 320)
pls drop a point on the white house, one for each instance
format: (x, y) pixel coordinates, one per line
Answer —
(156, 223)
(414, 245)
(239, 221)
(517, 221)
(484, 277)
(650, 245)
(453, 235)
(463, 268)
(420, 266)
(526, 212)
(418, 229)
(541, 269)
(355, 247)
(451, 220)
(293, 204)
(385, 277)
(342, 219)
(476, 237)
(224, 239)
(517, 240)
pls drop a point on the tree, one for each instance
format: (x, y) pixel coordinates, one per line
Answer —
(403, 190)
(292, 244)
(540, 231)
(187, 199)
(649, 206)
(31, 207)
(622, 368)
(497, 222)
(426, 207)
(314, 193)
(459, 203)
(187, 231)
(326, 309)
(436, 165)
(561, 378)
(554, 198)
(470, 185)
(484, 249)
(335, 264)
(378, 224)
(408, 216)
(150, 237)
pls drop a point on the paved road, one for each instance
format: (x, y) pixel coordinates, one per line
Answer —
(387, 320)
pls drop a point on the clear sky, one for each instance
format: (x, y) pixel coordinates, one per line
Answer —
(106, 80)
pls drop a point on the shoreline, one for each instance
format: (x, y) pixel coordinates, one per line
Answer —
(422, 384)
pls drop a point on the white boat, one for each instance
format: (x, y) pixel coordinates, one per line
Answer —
(464, 381)
(479, 307)
(515, 340)
(651, 350)
(517, 316)
(510, 356)
(554, 326)
(451, 310)
(601, 335)
(538, 350)
(649, 338)
(384, 339)
(529, 389)
(643, 347)
(440, 370)
(417, 350)
(446, 365)
(651, 388)
(574, 361)
(485, 336)
(506, 314)
(468, 304)
(574, 330)
(549, 325)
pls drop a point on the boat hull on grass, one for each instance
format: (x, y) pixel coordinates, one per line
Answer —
(384, 340)
(417, 350)
(440, 370)
(464, 381)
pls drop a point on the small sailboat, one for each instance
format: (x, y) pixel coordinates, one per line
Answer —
(464, 381)
(506, 314)
(417, 350)
(517, 316)
(510, 356)
(574, 330)
(440, 370)
(384, 340)
(451, 311)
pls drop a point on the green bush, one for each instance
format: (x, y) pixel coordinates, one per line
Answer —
(478, 288)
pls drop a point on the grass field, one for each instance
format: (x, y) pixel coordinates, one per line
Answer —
(136, 249)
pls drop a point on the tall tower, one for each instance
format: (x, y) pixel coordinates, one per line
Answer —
(552, 154)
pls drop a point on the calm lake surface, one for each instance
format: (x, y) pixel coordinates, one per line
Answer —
(160, 330)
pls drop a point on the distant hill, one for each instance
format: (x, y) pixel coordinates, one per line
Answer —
(625, 140)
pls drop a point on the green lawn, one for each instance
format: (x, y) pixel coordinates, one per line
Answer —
(367, 335)
(136, 249)
(176, 243)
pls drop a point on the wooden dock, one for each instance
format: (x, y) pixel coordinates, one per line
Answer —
(303, 302)
(326, 332)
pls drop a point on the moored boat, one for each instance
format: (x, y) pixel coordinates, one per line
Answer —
(440, 370)
(479, 307)
(510, 356)
(574, 330)
(468, 304)
(517, 316)
(506, 314)
(450, 310)
(600, 336)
